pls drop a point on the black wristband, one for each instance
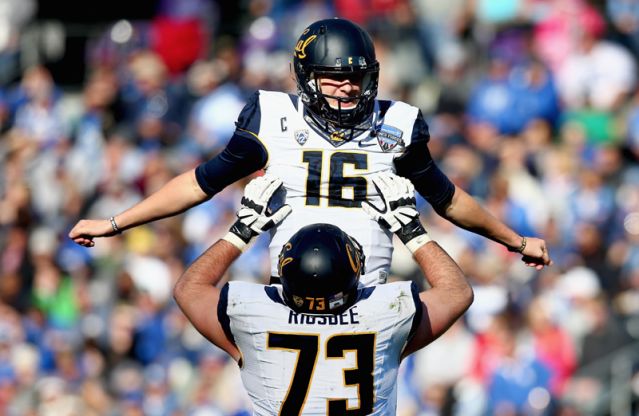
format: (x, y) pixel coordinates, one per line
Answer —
(411, 230)
(243, 231)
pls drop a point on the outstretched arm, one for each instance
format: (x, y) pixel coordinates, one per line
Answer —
(457, 206)
(450, 294)
(176, 196)
(243, 156)
(464, 211)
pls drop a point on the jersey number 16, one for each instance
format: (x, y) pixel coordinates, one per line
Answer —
(336, 179)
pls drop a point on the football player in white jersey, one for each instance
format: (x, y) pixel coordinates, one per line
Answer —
(320, 343)
(325, 143)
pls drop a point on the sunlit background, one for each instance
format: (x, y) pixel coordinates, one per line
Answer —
(532, 108)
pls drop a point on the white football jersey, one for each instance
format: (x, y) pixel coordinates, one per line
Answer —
(326, 183)
(299, 364)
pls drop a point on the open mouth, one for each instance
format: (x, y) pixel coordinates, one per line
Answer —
(342, 103)
(343, 106)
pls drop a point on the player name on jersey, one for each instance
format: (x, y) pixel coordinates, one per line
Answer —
(347, 318)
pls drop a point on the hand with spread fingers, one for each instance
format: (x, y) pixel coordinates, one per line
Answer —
(398, 213)
(253, 216)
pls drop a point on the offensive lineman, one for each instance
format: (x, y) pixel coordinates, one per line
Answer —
(325, 143)
(319, 343)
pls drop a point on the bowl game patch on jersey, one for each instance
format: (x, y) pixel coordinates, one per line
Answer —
(389, 137)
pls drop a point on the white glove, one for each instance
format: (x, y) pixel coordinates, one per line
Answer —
(253, 216)
(399, 213)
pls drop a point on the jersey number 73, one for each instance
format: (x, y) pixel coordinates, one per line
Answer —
(307, 348)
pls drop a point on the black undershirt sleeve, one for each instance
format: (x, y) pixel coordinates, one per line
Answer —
(243, 155)
(417, 165)
(222, 314)
(417, 318)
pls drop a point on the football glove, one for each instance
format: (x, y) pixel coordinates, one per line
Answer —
(254, 217)
(398, 213)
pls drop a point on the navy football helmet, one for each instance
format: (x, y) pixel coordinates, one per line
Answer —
(336, 48)
(319, 268)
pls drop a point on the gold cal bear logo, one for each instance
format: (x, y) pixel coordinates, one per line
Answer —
(300, 48)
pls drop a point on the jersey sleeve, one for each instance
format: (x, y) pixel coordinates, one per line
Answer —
(222, 313)
(243, 155)
(417, 165)
(250, 116)
(417, 318)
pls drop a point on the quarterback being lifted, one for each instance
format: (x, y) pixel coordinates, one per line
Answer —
(325, 143)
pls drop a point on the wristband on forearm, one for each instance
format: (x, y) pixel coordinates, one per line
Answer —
(235, 240)
(417, 242)
(114, 225)
(240, 235)
(521, 248)
(413, 235)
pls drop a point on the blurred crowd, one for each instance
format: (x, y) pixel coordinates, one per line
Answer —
(533, 108)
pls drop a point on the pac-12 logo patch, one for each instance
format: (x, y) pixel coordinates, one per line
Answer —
(301, 136)
(389, 137)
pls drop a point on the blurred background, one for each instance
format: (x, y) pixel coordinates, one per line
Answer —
(533, 108)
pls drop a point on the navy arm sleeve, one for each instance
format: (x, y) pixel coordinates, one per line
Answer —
(417, 165)
(222, 314)
(243, 155)
(419, 312)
